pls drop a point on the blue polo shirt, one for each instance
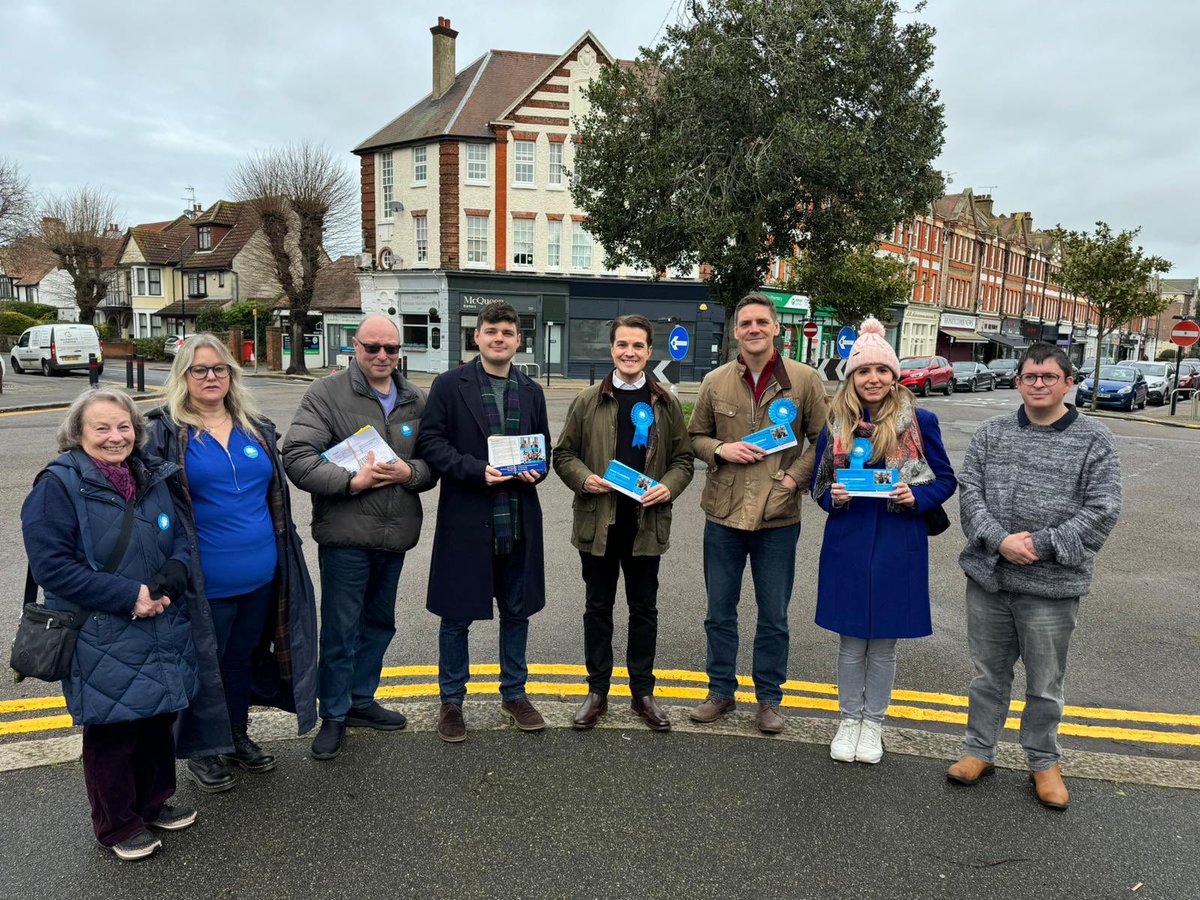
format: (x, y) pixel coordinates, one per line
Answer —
(233, 520)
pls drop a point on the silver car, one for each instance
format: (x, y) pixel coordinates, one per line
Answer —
(1158, 381)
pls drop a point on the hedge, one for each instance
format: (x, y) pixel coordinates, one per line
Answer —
(150, 348)
(14, 322)
(41, 313)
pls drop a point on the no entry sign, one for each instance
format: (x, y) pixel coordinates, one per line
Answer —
(810, 330)
(1185, 334)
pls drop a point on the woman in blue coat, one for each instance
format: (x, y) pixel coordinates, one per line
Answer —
(104, 541)
(873, 581)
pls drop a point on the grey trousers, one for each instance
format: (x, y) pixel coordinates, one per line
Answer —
(1003, 627)
(865, 673)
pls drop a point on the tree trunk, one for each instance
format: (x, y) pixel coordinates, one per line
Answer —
(298, 365)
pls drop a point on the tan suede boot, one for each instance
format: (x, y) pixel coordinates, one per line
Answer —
(968, 770)
(1049, 787)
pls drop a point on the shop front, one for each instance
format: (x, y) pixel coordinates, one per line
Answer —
(1008, 342)
(959, 339)
(541, 304)
(919, 331)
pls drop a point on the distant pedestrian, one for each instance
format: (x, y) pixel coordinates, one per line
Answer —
(488, 539)
(104, 539)
(628, 418)
(873, 586)
(363, 523)
(1041, 491)
(251, 565)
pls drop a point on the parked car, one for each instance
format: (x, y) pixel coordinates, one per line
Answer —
(926, 374)
(54, 349)
(1088, 369)
(973, 377)
(1005, 372)
(173, 343)
(1158, 381)
(1121, 386)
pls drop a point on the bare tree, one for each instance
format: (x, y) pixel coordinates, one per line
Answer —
(79, 228)
(16, 202)
(303, 197)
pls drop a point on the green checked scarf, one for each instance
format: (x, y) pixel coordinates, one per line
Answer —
(506, 504)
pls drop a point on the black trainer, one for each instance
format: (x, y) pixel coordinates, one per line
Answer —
(210, 774)
(174, 818)
(137, 846)
(328, 742)
(247, 754)
(376, 716)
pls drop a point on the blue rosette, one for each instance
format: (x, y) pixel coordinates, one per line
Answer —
(782, 411)
(643, 417)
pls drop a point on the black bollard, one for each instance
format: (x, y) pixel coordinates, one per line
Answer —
(404, 365)
(593, 376)
(141, 375)
(93, 370)
(129, 373)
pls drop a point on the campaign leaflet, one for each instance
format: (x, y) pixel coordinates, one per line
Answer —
(513, 454)
(773, 438)
(351, 454)
(868, 482)
(629, 482)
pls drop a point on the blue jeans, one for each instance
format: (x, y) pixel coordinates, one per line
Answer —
(238, 623)
(454, 663)
(772, 553)
(1003, 627)
(358, 620)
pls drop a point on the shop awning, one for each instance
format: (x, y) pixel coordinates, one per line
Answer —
(795, 304)
(1013, 343)
(964, 335)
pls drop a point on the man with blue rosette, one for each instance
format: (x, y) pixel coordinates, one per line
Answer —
(755, 424)
(627, 419)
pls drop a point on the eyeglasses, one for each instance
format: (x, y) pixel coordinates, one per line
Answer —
(1030, 379)
(201, 372)
(372, 349)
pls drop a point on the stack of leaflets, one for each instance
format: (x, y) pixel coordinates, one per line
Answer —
(628, 481)
(351, 454)
(773, 438)
(513, 454)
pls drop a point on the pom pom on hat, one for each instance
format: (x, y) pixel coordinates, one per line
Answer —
(871, 348)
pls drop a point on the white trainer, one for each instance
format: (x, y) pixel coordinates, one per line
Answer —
(845, 741)
(870, 742)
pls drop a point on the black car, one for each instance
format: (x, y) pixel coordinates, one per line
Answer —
(1004, 371)
(973, 376)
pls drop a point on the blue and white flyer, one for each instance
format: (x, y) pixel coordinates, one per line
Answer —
(862, 482)
(629, 482)
(773, 439)
(513, 454)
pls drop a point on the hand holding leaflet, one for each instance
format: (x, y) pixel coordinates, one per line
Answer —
(514, 454)
(351, 454)
(628, 481)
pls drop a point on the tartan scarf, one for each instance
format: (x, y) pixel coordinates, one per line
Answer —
(506, 504)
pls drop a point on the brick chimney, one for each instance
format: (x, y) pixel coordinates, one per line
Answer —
(983, 203)
(443, 56)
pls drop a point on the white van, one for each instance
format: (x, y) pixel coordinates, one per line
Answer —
(56, 348)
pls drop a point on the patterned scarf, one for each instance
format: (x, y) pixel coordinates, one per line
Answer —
(506, 504)
(119, 477)
(908, 456)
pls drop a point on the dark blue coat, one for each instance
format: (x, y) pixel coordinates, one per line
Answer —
(124, 668)
(453, 440)
(873, 580)
(204, 728)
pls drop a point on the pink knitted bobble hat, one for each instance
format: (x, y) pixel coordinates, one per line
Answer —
(871, 347)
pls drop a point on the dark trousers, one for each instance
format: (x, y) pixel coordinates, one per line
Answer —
(600, 575)
(129, 770)
(238, 622)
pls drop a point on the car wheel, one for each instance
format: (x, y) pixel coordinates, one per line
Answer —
(949, 387)
(925, 388)
(99, 370)
(991, 385)
(16, 366)
(974, 385)
(46, 370)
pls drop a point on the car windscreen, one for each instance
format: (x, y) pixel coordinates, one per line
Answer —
(1118, 373)
(964, 368)
(1002, 365)
(915, 362)
(1148, 368)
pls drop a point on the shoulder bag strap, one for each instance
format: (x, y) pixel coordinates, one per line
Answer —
(122, 539)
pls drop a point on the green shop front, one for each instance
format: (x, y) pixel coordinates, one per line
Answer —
(794, 310)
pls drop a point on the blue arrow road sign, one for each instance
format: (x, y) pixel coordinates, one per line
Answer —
(845, 341)
(678, 342)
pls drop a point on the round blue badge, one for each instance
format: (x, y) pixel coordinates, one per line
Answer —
(406, 430)
(251, 451)
(164, 521)
(782, 411)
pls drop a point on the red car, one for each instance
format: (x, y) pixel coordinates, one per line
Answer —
(926, 374)
(1189, 377)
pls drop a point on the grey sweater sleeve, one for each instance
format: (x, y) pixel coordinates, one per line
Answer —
(1087, 530)
(978, 523)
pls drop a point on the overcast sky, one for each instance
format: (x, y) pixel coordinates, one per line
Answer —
(1072, 110)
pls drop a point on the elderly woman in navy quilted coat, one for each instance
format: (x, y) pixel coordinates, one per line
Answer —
(135, 665)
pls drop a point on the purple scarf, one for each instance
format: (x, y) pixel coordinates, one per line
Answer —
(120, 477)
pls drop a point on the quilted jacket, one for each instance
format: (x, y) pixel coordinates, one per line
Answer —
(124, 668)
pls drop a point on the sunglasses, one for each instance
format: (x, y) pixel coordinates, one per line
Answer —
(372, 349)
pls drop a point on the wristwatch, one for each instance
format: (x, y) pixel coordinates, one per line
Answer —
(717, 451)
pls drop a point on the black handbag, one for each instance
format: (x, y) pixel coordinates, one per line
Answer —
(44, 645)
(936, 521)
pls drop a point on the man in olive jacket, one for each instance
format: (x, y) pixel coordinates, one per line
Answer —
(751, 502)
(363, 523)
(612, 531)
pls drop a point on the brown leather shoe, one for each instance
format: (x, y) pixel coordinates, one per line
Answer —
(523, 715)
(712, 709)
(647, 708)
(769, 720)
(1049, 787)
(451, 726)
(968, 770)
(593, 707)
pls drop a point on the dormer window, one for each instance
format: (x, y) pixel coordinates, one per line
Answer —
(205, 237)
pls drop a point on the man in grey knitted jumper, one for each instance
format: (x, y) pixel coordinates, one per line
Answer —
(1039, 492)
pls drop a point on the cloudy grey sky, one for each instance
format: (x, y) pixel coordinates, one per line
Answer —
(1074, 110)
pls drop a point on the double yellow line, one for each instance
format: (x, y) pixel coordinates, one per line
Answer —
(678, 684)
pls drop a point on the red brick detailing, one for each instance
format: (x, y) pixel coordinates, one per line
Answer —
(578, 218)
(523, 215)
(560, 72)
(556, 138)
(541, 120)
(477, 212)
(419, 212)
(548, 88)
(448, 222)
(554, 217)
(366, 168)
(524, 135)
(548, 104)
(501, 223)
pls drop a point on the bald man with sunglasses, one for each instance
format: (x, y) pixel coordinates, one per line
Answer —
(363, 523)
